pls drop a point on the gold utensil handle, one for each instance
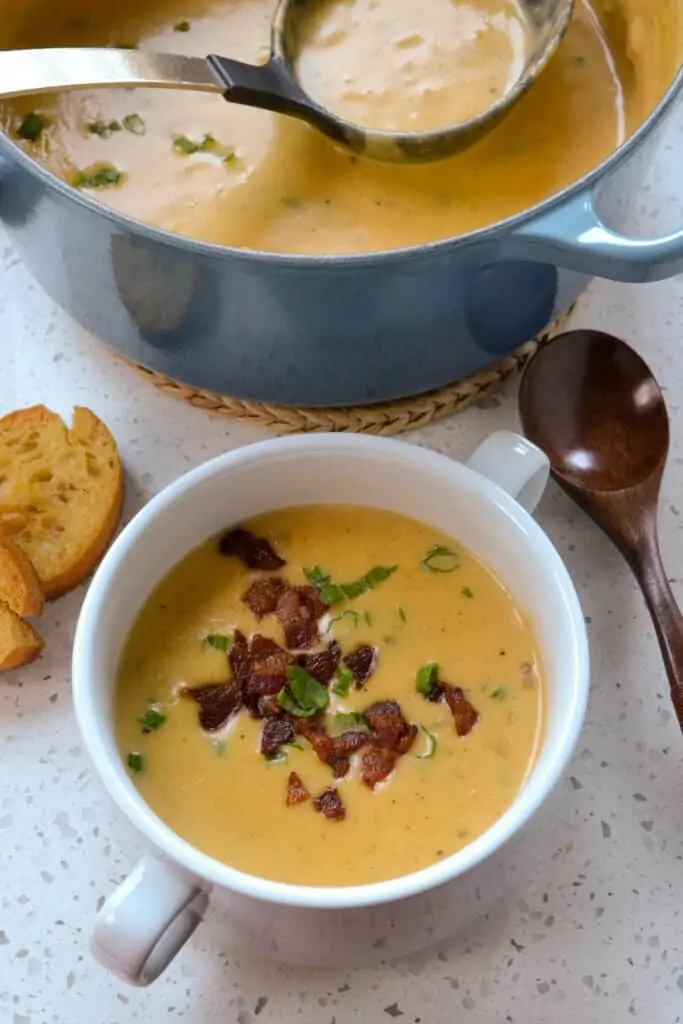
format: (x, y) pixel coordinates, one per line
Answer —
(56, 70)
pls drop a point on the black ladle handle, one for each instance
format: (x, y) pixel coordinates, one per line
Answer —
(272, 86)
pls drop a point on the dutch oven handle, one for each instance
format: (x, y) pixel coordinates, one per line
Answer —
(573, 236)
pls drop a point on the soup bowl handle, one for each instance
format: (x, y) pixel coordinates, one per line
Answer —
(147, 920)
(514, 464)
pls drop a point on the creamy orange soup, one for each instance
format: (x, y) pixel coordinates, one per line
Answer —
(449, 646)
(438, 62)
(196, 165)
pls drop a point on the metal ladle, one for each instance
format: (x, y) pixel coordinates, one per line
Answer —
(274, 85)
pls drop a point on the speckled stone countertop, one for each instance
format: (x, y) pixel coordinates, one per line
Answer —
(593, 932)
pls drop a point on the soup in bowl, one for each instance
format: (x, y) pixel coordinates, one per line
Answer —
(356, 690)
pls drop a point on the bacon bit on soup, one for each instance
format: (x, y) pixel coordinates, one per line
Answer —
(334, 750)
(389, 727)
(217, 702)
(277, 732)
(362, 663)
(264, 594)
(299, 610)
(322, 665)
(296, 790)
(391, 736)
(465, 715)
(269, 707)
(255, 552)
(239, 658)
(330, 804)
(377, 763)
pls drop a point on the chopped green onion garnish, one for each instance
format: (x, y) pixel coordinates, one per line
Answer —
(188, 146)
(31, 128)
(349, 613)
(440, 559)
(279, 758)
(329, 591)
(332, 593)
(303, 696)
(344, 681)
(350, 720)
(98, 179)
(499, 693)
(182, 26)
(378, 574)
(136, 762)
(431, 745)
(220, 641)
(134, 124)
(467, 592)
(103, 128)
(152, 719)
(427, 677)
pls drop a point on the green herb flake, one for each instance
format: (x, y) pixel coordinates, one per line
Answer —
(348, 614)
(431, 745)
(31, 128)
(103, 128)
(279, 758)
(292, 202)
(188, 146)
(378, 574)
(219, 641)
(344, 681)
(219, 747)
(344, 720)
(467, 592)
(107, 175)
(134, 124)
(330, 592)
(303, 696)
(441, 559)
(579, 61)
(401, 614)
(230, 157)
(152, 719)
(368, 618)
(499, 693)
(427, 677)
(182, 26)
(136, 762)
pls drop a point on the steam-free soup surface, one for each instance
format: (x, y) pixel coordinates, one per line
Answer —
(219, 792)
(196, 165)
(438, 63)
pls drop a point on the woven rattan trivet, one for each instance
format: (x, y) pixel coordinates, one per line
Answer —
(383, 418)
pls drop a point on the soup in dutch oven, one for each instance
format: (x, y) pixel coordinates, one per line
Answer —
(330, 695)
(196, 165)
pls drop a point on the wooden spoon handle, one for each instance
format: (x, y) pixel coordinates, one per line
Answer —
(666, 615)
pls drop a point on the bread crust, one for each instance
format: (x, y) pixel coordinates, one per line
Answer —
(61, 492)
(20, 643)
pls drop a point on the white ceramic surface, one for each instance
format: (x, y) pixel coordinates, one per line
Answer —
(590, 929)
(156, 908)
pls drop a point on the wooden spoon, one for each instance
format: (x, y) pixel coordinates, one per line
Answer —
(593, 406)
